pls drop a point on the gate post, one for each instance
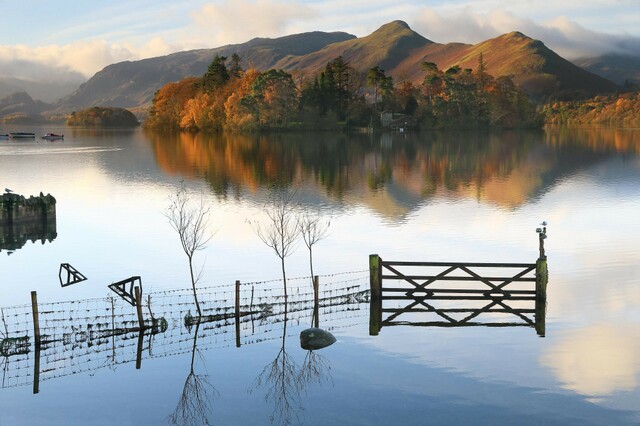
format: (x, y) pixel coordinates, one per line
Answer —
(542, 276)
(375, 276)
(375, 306)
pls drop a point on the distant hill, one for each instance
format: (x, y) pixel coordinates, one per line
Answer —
(21, 103)
(133, 83)
(46, 91)
(617, 68)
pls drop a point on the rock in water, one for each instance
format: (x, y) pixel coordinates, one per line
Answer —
(316, 338)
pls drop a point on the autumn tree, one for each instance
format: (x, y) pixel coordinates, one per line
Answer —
(169, 102)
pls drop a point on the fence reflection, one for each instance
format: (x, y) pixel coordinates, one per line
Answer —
(86, 335)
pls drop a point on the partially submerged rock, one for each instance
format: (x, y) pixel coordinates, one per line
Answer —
(316, 338)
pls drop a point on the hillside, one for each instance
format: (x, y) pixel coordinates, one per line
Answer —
(133, 83)
(617, 68)
(387, 47)
(534, 67)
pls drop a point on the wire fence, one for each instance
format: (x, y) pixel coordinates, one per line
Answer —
(85, 335)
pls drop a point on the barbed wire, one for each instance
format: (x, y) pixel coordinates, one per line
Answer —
(86, 335)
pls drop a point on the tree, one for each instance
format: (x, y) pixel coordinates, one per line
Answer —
(236, 69)
(313, 229)
(274, 96)
(280, 231)
(217, 74)
(377, 78)
(190, 222)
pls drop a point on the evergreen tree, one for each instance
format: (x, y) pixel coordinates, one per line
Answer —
(217, 74)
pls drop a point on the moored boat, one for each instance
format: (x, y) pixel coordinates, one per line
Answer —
(52, 136)
(22, 135)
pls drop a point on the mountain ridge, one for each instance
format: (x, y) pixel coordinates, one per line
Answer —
(395, 47)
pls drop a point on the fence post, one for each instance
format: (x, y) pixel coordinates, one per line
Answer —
(375, 306)
(139, 349)
(36, 319)
(138, 292)
(542, 276)
(375, 276)
(540, 317)
(237, 313)
(316, 301)
(36, 338)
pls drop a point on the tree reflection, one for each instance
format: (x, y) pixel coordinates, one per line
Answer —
(316, 369)
(507, 168)
(198, 395)
(280, 378)
(286, 381)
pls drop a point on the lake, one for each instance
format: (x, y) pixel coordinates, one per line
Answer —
(427, 197)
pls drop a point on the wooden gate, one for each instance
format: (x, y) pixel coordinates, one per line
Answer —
(458, 293)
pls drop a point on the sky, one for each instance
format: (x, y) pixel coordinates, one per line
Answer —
(82, 37)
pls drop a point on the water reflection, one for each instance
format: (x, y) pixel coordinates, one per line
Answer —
(596, 361)
(198, 394)
(26, 219)
(393, 173)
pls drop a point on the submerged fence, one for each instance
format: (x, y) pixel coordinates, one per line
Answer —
(59, 339)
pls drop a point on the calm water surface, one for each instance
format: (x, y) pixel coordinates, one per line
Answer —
(427, 197)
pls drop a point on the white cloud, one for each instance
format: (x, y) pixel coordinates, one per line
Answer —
(561, 34)
(84, 57)
(596, 361)
(239, 21)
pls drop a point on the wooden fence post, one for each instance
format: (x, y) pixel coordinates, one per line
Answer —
(540, 317)
(375, 276)
(139, 349)
(36, 319)
(237, 313)
(542, 276)
(375, 306)
(138, 293)
(36, 339)
(316, 301)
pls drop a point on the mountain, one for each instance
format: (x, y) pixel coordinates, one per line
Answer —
(534, 67)
(387, 47)
(617, 68)
(45, 90)
(133, 83)
(21, 103)
(395, 47)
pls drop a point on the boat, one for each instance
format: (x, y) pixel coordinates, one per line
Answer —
(52, 136)
(22, 135)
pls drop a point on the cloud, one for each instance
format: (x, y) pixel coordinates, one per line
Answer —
(596, 361)
(239, 21)
(566, 37)
(82, 58)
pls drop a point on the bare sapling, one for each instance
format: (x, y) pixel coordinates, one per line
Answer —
(313, 229)
(280, 230)
(190, 220)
